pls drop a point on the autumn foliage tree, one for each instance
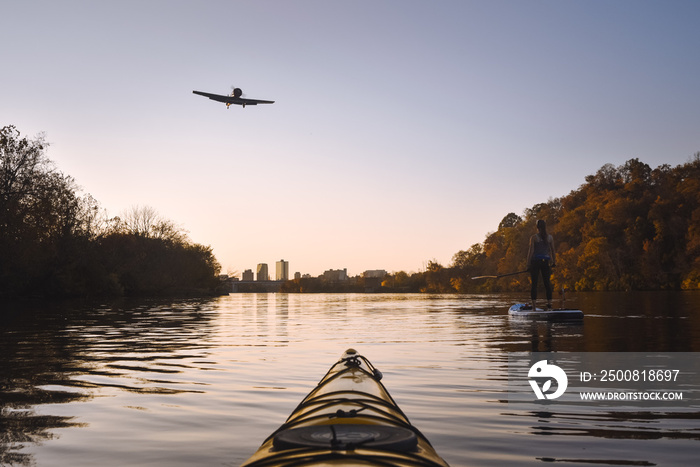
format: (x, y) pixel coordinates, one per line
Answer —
(627, 228)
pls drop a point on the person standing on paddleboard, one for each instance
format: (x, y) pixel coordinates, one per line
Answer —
(541, 258)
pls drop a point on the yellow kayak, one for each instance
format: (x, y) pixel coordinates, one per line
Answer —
(349, 419)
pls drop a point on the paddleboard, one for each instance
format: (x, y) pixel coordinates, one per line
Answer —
(523, 310)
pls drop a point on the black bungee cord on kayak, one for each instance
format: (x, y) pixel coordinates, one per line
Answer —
(354, 362)
(340, 413)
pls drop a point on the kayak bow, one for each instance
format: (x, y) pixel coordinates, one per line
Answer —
(348, 419)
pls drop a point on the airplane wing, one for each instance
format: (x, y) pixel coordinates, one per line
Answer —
(254, 101)
(232, 99)
(216, 97)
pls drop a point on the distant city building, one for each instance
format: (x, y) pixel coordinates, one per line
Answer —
(248, 275)
(297, 276)
(282, 270)
(378, 273)
(335, 275)
(263, 275)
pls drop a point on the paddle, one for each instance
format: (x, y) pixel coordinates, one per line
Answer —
(501, 275)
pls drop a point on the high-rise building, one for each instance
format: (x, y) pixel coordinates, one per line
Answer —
(375, 273)
(282, 270)
(248, 275)
(333, 275)
(263, 275)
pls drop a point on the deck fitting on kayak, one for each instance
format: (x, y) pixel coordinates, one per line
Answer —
(340, 413)
(347, 438)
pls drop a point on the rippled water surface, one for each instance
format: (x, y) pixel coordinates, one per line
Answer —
(203, 382)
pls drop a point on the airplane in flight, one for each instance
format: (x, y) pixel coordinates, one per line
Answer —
(234, 98)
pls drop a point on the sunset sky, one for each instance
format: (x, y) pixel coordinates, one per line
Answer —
(402, 132)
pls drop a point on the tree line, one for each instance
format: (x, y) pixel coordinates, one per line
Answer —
(57, 242)
(626, 228)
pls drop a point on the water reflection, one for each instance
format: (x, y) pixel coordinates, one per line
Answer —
(619, 424)
(624, 430)
(155, 375)
(545, 336)
(59, 353)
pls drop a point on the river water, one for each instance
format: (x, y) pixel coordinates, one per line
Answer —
(203, 382)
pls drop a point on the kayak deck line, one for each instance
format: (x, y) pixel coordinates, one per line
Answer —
(345, 414)
(348, 419)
